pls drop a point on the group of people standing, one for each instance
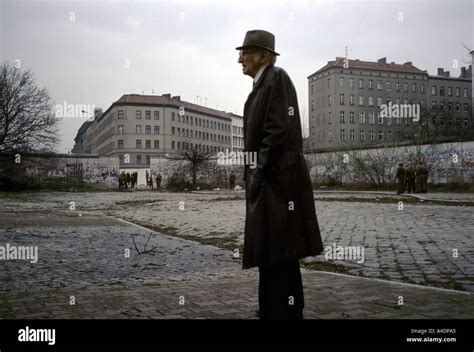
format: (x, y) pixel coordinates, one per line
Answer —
(412, 179)
(128, 181)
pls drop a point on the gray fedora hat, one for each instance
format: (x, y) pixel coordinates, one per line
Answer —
(259, 39)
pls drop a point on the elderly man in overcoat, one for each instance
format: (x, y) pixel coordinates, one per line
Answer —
(281, 224)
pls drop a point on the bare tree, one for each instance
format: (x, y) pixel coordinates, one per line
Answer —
(196, 155)
(26, 118)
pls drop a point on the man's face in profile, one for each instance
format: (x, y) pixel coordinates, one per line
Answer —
(247, 59)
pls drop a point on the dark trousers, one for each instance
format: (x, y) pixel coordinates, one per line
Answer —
(280, 291)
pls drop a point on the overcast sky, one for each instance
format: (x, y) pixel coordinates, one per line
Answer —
(80, 50)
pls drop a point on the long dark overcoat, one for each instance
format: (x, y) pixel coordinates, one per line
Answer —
(281, 222)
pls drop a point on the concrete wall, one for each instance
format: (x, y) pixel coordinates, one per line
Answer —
(447, 162)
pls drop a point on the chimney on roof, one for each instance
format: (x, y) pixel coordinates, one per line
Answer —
(177, 97)
(446, 73)
(167, 95)
(469, 71)
(98, 112)
(392, 63)
(440, 71)
(408, 63)
(382, 60)
(463, 72)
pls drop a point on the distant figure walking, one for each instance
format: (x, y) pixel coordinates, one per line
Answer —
(401, 175)
(158, 181)
(421, 177)
(410, 181)
(232, 180)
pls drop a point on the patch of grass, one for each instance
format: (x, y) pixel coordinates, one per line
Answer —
(324, 266)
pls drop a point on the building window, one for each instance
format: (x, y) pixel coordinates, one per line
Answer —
(433, 105)
(372, 137)
(120, 144)
(361, 83)
(341, 82)
(341, 99)
(441, 91)
(173, 116)
(405, 87)
(351, 117)
(413, 87)
(148, 115)
(361, 117)
(120, 129)
(397, 86)
(329, 100)
(172, 144)
(466, 123)
(156, 129)
(312, 89)
(465, 93)
(120, 114)
(147, 129)
(379, 101)
(388, 86)
(351, 99)
(341, 117)
(361, 100)
(379, 85)
(466, 107)
(329, 82)
(433, 90)
(139, 159)
(372, 118)
(362, 135)
(342, 135)
(148, 144)
(380, 119)
(329, 136)
(172, 129)
(138, 144)
(138, 129)
(156, 115)
(380, 136)
(148, 160)
(371, 84)
(371, 101)
(138, 114)
(422, 88)
(312, 105)
(389, 135)
(156, 144)
(352, 133)
(351, 83)
(450, 106)
(329, 118)
(458, 107)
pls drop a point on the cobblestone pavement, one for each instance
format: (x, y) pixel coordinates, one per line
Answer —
(422, 243)
(82, 257)
(327, 296)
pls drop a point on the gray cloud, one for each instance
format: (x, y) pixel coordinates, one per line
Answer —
(187, 48)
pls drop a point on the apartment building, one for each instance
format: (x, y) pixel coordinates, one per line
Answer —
(136, 128)
(347, 97)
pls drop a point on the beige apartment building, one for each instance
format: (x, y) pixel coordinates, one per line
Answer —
(346, 98)
(137, 128)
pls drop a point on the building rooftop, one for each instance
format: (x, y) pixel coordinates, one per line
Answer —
(380, 65)
(167, 100)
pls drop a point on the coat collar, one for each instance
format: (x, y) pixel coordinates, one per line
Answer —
(261, 78)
